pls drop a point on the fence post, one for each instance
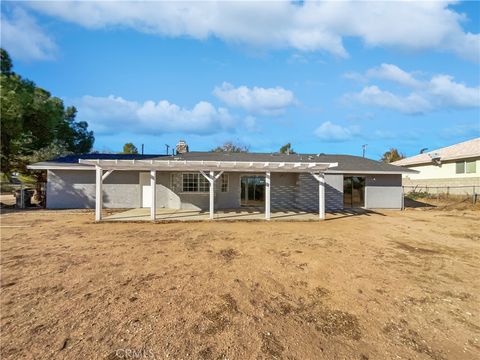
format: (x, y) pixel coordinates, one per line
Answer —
(474, 196)
(22, 200)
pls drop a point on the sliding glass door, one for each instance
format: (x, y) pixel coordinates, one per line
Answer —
(252, 190)
(353, 191)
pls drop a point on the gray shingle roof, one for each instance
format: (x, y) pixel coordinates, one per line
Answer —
(346, 163)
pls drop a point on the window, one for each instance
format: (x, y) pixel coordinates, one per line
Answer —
(224, 182)
(193, 182)
(471, 167)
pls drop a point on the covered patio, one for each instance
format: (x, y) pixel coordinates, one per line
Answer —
(174, 215)
(211, 171)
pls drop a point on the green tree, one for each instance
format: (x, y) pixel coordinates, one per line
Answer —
(392, 155)
(32, 120)
(230, 147)
(129, 148)
(287, 149)
(6, 62)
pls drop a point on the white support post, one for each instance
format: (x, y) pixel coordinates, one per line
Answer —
(211, 179)
(321, 197)
(212, 183)
(98, 193)
(267, 195)
(321, 194)
(153, 190)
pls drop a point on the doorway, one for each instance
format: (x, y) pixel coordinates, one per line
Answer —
(353, 191)
(145, 189)
(252, 190)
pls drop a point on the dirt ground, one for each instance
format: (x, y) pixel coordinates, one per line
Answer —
(389, 285)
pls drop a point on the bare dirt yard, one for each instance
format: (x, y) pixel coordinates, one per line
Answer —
(390, 285)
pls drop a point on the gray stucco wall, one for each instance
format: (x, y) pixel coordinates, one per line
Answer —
(76, 189)
(383, 192)
(171, 195)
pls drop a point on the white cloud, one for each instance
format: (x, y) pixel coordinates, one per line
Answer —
(410, 104)
(393, 73)
(441, 91)
(331, 132)
(306, 26)
(451, 93)
(107, 114)
(24, 39)
(258, 100)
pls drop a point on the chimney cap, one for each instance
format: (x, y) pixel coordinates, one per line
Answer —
(181, 147)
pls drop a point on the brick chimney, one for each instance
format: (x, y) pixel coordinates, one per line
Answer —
(181, 147)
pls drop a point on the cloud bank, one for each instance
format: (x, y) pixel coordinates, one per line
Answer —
(305, 26)
(439, 92)
(113, 114)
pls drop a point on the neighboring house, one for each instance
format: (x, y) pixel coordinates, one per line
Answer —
(309, 182)
(453, 169)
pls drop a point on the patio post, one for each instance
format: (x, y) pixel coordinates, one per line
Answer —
(211, 179)
(267, 195)
(153, 189)
(321, 196)
(98, 193)
(212, 193)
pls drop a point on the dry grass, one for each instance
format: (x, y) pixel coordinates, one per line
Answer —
(374, 286)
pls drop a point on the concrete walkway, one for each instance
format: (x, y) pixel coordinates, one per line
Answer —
(143, 214)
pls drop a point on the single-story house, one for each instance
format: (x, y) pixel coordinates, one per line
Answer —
(454, 169)
(213, 180)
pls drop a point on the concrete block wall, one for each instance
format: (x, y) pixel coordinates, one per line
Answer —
(283, 191)
(307, 192)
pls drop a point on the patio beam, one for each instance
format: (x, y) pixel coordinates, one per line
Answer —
(267, 195)
(153, 190)
(98, 193)
(107, 174)
(321, 194)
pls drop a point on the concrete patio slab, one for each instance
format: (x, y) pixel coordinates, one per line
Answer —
(143, 214)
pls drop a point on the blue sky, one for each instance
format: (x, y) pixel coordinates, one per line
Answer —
(327, 77)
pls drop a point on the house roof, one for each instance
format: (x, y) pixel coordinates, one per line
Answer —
(338, 163)
(463, 150)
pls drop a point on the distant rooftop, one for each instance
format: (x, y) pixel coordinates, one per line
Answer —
(467, 149)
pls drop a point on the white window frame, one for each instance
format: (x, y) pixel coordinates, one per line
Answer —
(224, 180)
(200, 178)
(474, 164)
(465, 162)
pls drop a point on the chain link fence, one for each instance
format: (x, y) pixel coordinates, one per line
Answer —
(441, 195)
(20, 195)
